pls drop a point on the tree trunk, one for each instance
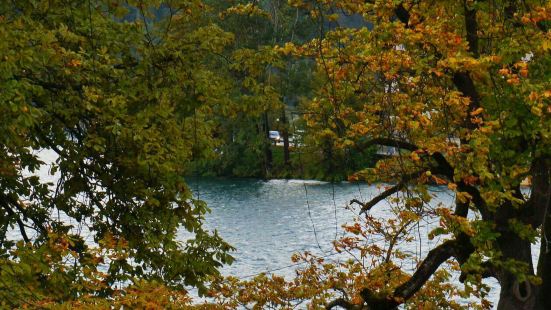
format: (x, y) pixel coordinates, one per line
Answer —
(285, 134)
(543, 300)
(516, 295)
(267, 147)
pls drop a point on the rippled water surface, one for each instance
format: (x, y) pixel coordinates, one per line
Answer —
(268, 221)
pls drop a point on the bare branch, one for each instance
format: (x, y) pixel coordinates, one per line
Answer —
(22, 230)
(443, 167)
(394, 241)
(384, 195)
(387, 193)
(477, 200)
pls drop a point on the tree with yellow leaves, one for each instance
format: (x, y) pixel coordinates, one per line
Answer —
(461, 89)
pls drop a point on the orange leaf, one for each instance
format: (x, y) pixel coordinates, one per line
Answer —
(470, 180)
(439, 181)
(477, 111)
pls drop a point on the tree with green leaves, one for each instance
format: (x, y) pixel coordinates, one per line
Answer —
(118, 91)
(267, 85)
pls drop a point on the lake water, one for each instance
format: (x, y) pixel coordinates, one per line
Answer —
(268, 221)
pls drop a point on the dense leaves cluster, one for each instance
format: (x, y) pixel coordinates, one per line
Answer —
(114, 103)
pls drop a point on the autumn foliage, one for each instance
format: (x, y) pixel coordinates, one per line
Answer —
(128, 94)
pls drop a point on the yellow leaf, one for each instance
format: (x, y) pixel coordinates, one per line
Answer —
(477, 111)
(546, 45)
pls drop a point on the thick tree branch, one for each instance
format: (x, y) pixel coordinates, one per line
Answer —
(402, 14)
(426, 269)
(443, 167)
(384, 195)
(388, 142)
(464, 83)
(459, 249)
(471, 25)
(476, 199)
(343, 303)
(430, 264)
(538, 203)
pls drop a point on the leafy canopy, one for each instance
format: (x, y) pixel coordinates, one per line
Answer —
(110, 89)
(124, 96)
(461, 90)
